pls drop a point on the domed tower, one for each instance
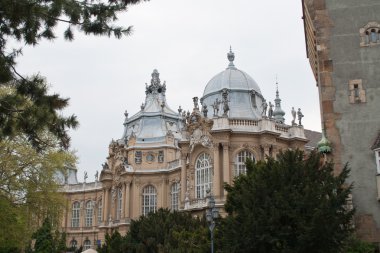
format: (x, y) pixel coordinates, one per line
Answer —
(241, 93)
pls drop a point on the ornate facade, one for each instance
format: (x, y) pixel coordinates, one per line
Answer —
(169, 159)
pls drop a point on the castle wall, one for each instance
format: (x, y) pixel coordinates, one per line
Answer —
(348, 75)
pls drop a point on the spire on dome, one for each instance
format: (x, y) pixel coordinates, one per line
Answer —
(278, 113)
(155, 84)
(231, 58)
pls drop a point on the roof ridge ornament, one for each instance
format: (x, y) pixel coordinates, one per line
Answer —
(155, 84)
(231, 58)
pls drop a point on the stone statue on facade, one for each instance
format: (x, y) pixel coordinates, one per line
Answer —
(264, 105)
(142, 106)
(225, 101)
(195, 101)
(215, 106)
(96, 176)
(179, 110)
(105, 166)
(300, 116)
(270, 111)
(204, 110)
(294, 113)
(85, 176)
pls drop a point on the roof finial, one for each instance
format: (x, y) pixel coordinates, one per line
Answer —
(231, 58)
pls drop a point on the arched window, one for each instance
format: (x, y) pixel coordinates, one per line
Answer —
(149, 200)
(89, 214)
(174, 196)
(100, 210)
(86, 244)
(241, 158)
(73, 244)
(373, 36)
(203, 172)
(75, 215)
(119, 204)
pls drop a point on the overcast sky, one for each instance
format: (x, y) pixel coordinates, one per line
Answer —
(187, 41)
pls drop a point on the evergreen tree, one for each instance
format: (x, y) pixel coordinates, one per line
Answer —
(30, 21)
(293, 204)
(44, 238)
(161, 232)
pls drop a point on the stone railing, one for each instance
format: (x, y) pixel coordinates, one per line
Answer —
(282, 128)
(243, 122)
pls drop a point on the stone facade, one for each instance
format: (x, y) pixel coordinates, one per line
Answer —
(169, 159)
(343, 47)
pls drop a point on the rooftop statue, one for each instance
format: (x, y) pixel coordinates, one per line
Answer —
(264, 105)
(204, 110)
(270, 112)
(294, 113)
(300, 116)
(225, 101)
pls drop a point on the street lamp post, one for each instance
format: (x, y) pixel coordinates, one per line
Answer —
(211, 214)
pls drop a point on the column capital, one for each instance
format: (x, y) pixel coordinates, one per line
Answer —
(225, 145)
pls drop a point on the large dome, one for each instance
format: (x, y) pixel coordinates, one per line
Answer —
(231, 79)
(244, 95)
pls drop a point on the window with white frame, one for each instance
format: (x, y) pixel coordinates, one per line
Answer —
(203, 172)
(89, 214)
(377, 155)
(119, 204)
(149, 199)
(240, 160)
(174, 196)
(75, 212)
(86, 244)
(100, 210)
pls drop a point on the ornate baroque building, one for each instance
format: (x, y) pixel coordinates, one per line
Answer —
(343, 47)
(169, 159)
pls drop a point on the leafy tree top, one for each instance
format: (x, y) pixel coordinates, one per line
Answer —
(293, 204)
(30, 21)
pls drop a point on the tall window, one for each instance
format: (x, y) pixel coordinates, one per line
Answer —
(377, 153)
(86, 244)
(203, 172)
(89, 214)
(100, 210)
(174, 196)
(119, 204)
(241, 158)
(75, 215)
(149, 200)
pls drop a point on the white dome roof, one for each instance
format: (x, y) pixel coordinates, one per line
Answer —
(231, 79)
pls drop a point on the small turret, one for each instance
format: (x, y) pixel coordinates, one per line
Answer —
(278, 113)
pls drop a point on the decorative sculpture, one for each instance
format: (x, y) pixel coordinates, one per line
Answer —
(195, 101)
(300, 116)
(215, 106)
(270, 112)
(179, 110)
(96, 176)
(142, 106)
(126, 114)
(225, 101)
(204, 110)
(105, 166)
(264, 105)
(294, 116)
(85, 176)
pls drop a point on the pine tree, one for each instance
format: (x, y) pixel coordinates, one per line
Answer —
(30, 21)
(293, 204)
